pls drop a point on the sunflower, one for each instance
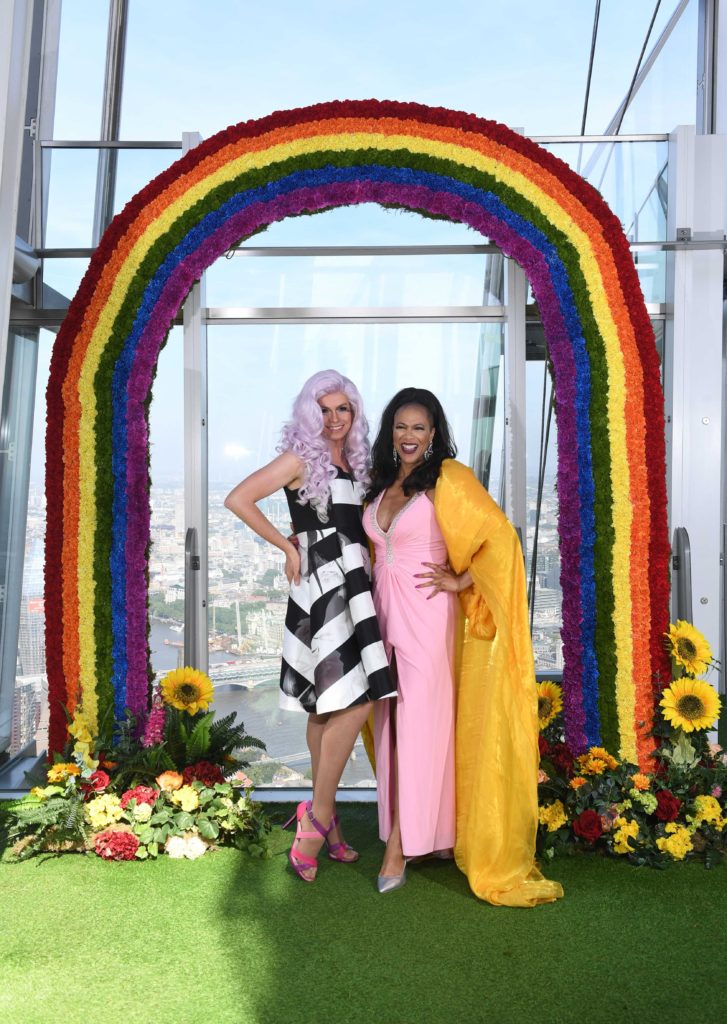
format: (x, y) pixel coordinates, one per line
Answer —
(690, 704)
(550, 702)
(187, 689)
(688, 647)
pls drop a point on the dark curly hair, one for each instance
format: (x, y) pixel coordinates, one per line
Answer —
(384, 470)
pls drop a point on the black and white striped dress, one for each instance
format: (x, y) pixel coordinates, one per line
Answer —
(333, 656)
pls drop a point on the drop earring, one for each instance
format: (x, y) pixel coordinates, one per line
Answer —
(396, 456)
(429, 450)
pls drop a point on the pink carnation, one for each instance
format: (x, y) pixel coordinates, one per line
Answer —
(154, 729)
(717, 791)
(142, 795)
(115, 845)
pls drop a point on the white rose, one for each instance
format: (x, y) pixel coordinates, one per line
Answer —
(195, 847)
(175, 847)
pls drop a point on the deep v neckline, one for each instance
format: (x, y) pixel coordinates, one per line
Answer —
(397, 516)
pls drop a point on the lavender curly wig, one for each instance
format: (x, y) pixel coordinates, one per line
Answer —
(303, 436)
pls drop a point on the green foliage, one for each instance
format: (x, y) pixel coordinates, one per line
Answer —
(136, 764)
(202, 737)
(53, 825)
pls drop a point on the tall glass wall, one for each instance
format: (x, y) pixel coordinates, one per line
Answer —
(254, 370)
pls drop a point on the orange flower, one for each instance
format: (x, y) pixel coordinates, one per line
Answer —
(641, 781)
(170, 781)
(577, 781)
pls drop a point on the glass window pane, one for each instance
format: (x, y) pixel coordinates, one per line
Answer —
(30, 697)
(72, 189)
(61, 278)
(81, 65)
(668, 96)
(542, 549)
(351, 281)
(166, 559)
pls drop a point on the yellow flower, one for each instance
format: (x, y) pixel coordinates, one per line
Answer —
(553, 816)
(688, 648)
(550, 702)
(577, 781)
(80, 728)
(591, 765)
(690, 703)
(187, 797)
(677, 843)
(641, 781)
(103, 810)
(188, 690)
(708, 811)
(60, 772)
(603, 755)
(625, 830)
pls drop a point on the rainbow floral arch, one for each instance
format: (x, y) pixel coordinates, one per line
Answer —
(609, 403)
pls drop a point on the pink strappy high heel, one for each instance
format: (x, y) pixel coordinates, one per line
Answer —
(337, 851)
(301, 862)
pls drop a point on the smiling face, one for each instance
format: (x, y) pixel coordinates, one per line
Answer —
(413, 431)
(337, 416)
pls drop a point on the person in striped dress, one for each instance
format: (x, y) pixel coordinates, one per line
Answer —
(333, 660)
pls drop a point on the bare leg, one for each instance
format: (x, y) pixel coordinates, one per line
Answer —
(338, 736)
(393, 863)
(314, 735)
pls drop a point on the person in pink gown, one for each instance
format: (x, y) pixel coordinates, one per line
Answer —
(416, 604)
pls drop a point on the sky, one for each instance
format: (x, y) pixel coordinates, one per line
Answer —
(199, 66)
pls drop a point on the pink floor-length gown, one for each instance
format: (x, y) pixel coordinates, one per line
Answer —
(419, 636)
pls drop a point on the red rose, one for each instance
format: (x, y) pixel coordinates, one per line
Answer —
(543, 745)
(562, 757)
(668, 805)
(588, 826)
(205, 772)
(114, 845)
(142, 795)
(95, 783)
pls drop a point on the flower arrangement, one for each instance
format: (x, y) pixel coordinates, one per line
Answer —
(177, 788)
(677, 809)
(442, 163)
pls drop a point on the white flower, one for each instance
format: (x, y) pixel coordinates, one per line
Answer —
(196, 846)
(175, 847)
(189, 845)
(142, 812)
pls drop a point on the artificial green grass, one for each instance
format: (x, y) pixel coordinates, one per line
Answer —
(231, 939)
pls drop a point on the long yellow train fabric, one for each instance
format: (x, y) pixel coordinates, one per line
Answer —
(496, 735)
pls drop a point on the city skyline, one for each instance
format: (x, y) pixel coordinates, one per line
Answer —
(247, 601)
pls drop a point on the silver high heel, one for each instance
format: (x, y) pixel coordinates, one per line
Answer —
(387, 883)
